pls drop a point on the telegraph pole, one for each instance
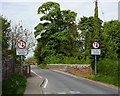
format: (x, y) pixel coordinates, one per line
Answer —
(96, 30)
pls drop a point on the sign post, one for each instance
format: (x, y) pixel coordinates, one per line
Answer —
(95, 64)
(20, 50)
(95, 52)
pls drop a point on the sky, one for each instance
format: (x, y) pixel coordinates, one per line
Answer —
(26, 10)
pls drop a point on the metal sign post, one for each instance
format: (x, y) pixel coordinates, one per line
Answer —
(95, 52)
(21, 65)
(95, 64)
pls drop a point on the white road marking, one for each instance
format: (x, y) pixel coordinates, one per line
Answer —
(61, 93)
(46, 83)
(36, 73)
(70, 92)
(74, 92)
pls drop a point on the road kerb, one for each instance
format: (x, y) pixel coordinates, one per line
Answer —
(43, 79)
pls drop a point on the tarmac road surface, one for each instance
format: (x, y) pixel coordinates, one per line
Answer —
(60, 83)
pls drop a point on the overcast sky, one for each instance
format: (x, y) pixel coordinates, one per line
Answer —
(26, 10)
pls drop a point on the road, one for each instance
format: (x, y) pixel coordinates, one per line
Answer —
(60, 83)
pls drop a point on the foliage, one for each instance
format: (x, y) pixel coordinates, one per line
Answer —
(57, 33)
(15, 84)
(106, 65)
(5, 29)
(106, 79)
(112, 31)
(29, 60)
(86, 25)
(42, 66)
(61, 59)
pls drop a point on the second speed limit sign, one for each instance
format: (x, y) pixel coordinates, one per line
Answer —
(95, 45)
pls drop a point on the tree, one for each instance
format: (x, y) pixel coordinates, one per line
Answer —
(18, 32)
(57, 33)
(29, 60)
(5, 30)
(112, 31)
(86, 25)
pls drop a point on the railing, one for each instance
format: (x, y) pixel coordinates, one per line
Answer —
(8, 67)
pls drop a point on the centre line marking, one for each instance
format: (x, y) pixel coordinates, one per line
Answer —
(46, 83)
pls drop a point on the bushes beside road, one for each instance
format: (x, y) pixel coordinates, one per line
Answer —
(108, 67)
(15, 84)
(61, 59)
(108, 71)
(106, 79)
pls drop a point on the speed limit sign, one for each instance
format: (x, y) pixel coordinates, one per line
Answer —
(95, 45)
(21, 44)
(21, 48)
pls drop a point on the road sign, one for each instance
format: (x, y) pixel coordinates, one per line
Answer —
(21, 48)
(95, 45)
(21, 44)
(95, 51)
(21, 51)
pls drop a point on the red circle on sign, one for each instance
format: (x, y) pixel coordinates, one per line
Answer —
(93, 45)
(20, 42)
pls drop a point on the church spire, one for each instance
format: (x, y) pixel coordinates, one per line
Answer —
(96, 8)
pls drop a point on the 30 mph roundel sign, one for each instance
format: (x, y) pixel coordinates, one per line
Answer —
(95, 45)
(21, 44)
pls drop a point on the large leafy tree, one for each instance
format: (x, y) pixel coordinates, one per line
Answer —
(58, 34)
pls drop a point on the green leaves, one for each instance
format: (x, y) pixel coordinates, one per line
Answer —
(61, 59)
(47, 7)
(112, 31)
(51, 11)
(57, 33)
(5, 35)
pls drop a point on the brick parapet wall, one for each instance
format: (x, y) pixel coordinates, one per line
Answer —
(70, 67)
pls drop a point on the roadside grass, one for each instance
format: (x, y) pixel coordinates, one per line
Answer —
(15, 84)
(82, 74)
(107, 79)
(98, 77)
(42, 66)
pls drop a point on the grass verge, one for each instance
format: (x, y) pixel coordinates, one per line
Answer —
(15, 84)
(106, 79)
(99, 77)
